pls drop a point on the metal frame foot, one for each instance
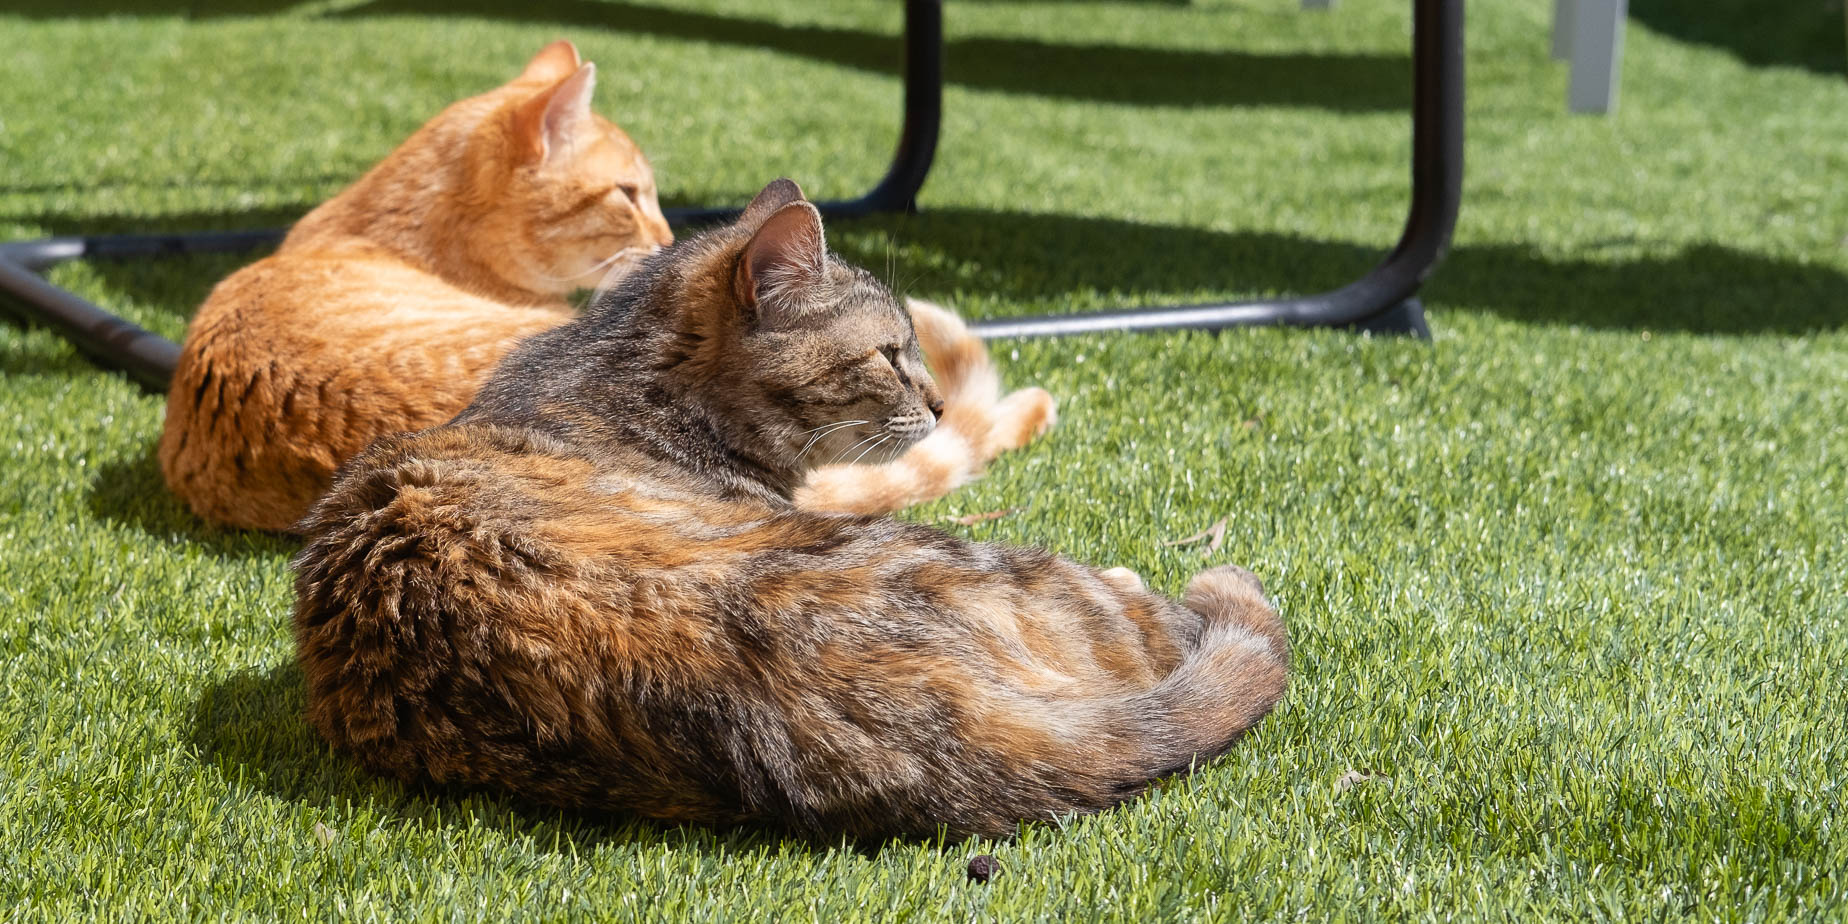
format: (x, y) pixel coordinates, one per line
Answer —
(1407, 318)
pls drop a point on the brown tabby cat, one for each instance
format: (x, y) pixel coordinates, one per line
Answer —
(592, 588)
(388, 305)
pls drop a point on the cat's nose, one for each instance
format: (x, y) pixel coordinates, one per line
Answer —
(936, 408)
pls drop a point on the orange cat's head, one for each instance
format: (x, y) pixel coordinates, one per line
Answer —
(521, 193)
(573, 196)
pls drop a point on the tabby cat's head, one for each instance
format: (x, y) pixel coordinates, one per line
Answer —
(813, 357)
(562, 195)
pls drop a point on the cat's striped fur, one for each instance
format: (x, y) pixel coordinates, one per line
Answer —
(593, 589)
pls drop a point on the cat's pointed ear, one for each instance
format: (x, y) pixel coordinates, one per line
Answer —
(553, 63)
(784, 260)
(779, 193)
(549, 121)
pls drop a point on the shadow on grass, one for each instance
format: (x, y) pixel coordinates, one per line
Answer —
(34, 361)
(130, 494)
(1105, 73)
(191, 9)
(1047, 260)
(1708, 288)
(251, 728)
(1808, 34)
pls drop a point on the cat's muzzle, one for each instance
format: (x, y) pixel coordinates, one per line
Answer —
(910, 428)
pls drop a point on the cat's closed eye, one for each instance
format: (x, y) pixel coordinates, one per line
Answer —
(629, 191)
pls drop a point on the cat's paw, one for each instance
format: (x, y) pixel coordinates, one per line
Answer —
(1020, 417)
(1230, 594)
(1123, 578)
(1231, 576)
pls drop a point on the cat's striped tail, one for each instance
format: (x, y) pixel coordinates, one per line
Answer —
(1088, 750)
(1231, 679)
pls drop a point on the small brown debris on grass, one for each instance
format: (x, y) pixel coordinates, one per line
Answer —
(1215, 532)
(974, 518)
(325, 834)
(983, 867)
(1354, 778)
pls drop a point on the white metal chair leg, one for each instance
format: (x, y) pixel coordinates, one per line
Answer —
(1597, 53)
(1563, 11)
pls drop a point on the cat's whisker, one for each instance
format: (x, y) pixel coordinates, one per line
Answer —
(843, 455)
(882, 438)
(606, 263)
(827, 429)
(834, 424)
(610, 277)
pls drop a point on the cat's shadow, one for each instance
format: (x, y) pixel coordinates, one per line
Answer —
(130, 493)
(251, 729)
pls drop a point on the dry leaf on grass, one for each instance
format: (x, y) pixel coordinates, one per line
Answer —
(1354, 778)
(974, 518)
(324, 834)
(1215, 532)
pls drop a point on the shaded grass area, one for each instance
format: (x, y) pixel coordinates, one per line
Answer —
(1703, 287)
(1808, 34)
(1565, 584)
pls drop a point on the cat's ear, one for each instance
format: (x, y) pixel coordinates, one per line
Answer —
(548, 122)
(553, 63)
(779, 193)
(784, 261)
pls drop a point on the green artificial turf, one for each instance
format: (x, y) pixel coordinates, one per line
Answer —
(1566, 585)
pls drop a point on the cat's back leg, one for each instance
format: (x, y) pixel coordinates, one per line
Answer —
(233, 391)
(275, 390)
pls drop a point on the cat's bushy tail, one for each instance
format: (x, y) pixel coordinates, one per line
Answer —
(1231, 679)
(1102, 747)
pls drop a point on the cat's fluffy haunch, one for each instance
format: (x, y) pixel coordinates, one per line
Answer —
(593, 589)
(387, 306)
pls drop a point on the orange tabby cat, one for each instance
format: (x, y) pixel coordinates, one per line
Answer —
(386, 307)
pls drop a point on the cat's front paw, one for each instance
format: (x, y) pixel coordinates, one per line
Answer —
(1020, 417)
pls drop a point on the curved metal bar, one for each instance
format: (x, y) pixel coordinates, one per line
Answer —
(1383, 299)
(917, 139)
(110, 341)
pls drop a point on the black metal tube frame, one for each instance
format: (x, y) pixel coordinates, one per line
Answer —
(1382, 300)
(1385, 299)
